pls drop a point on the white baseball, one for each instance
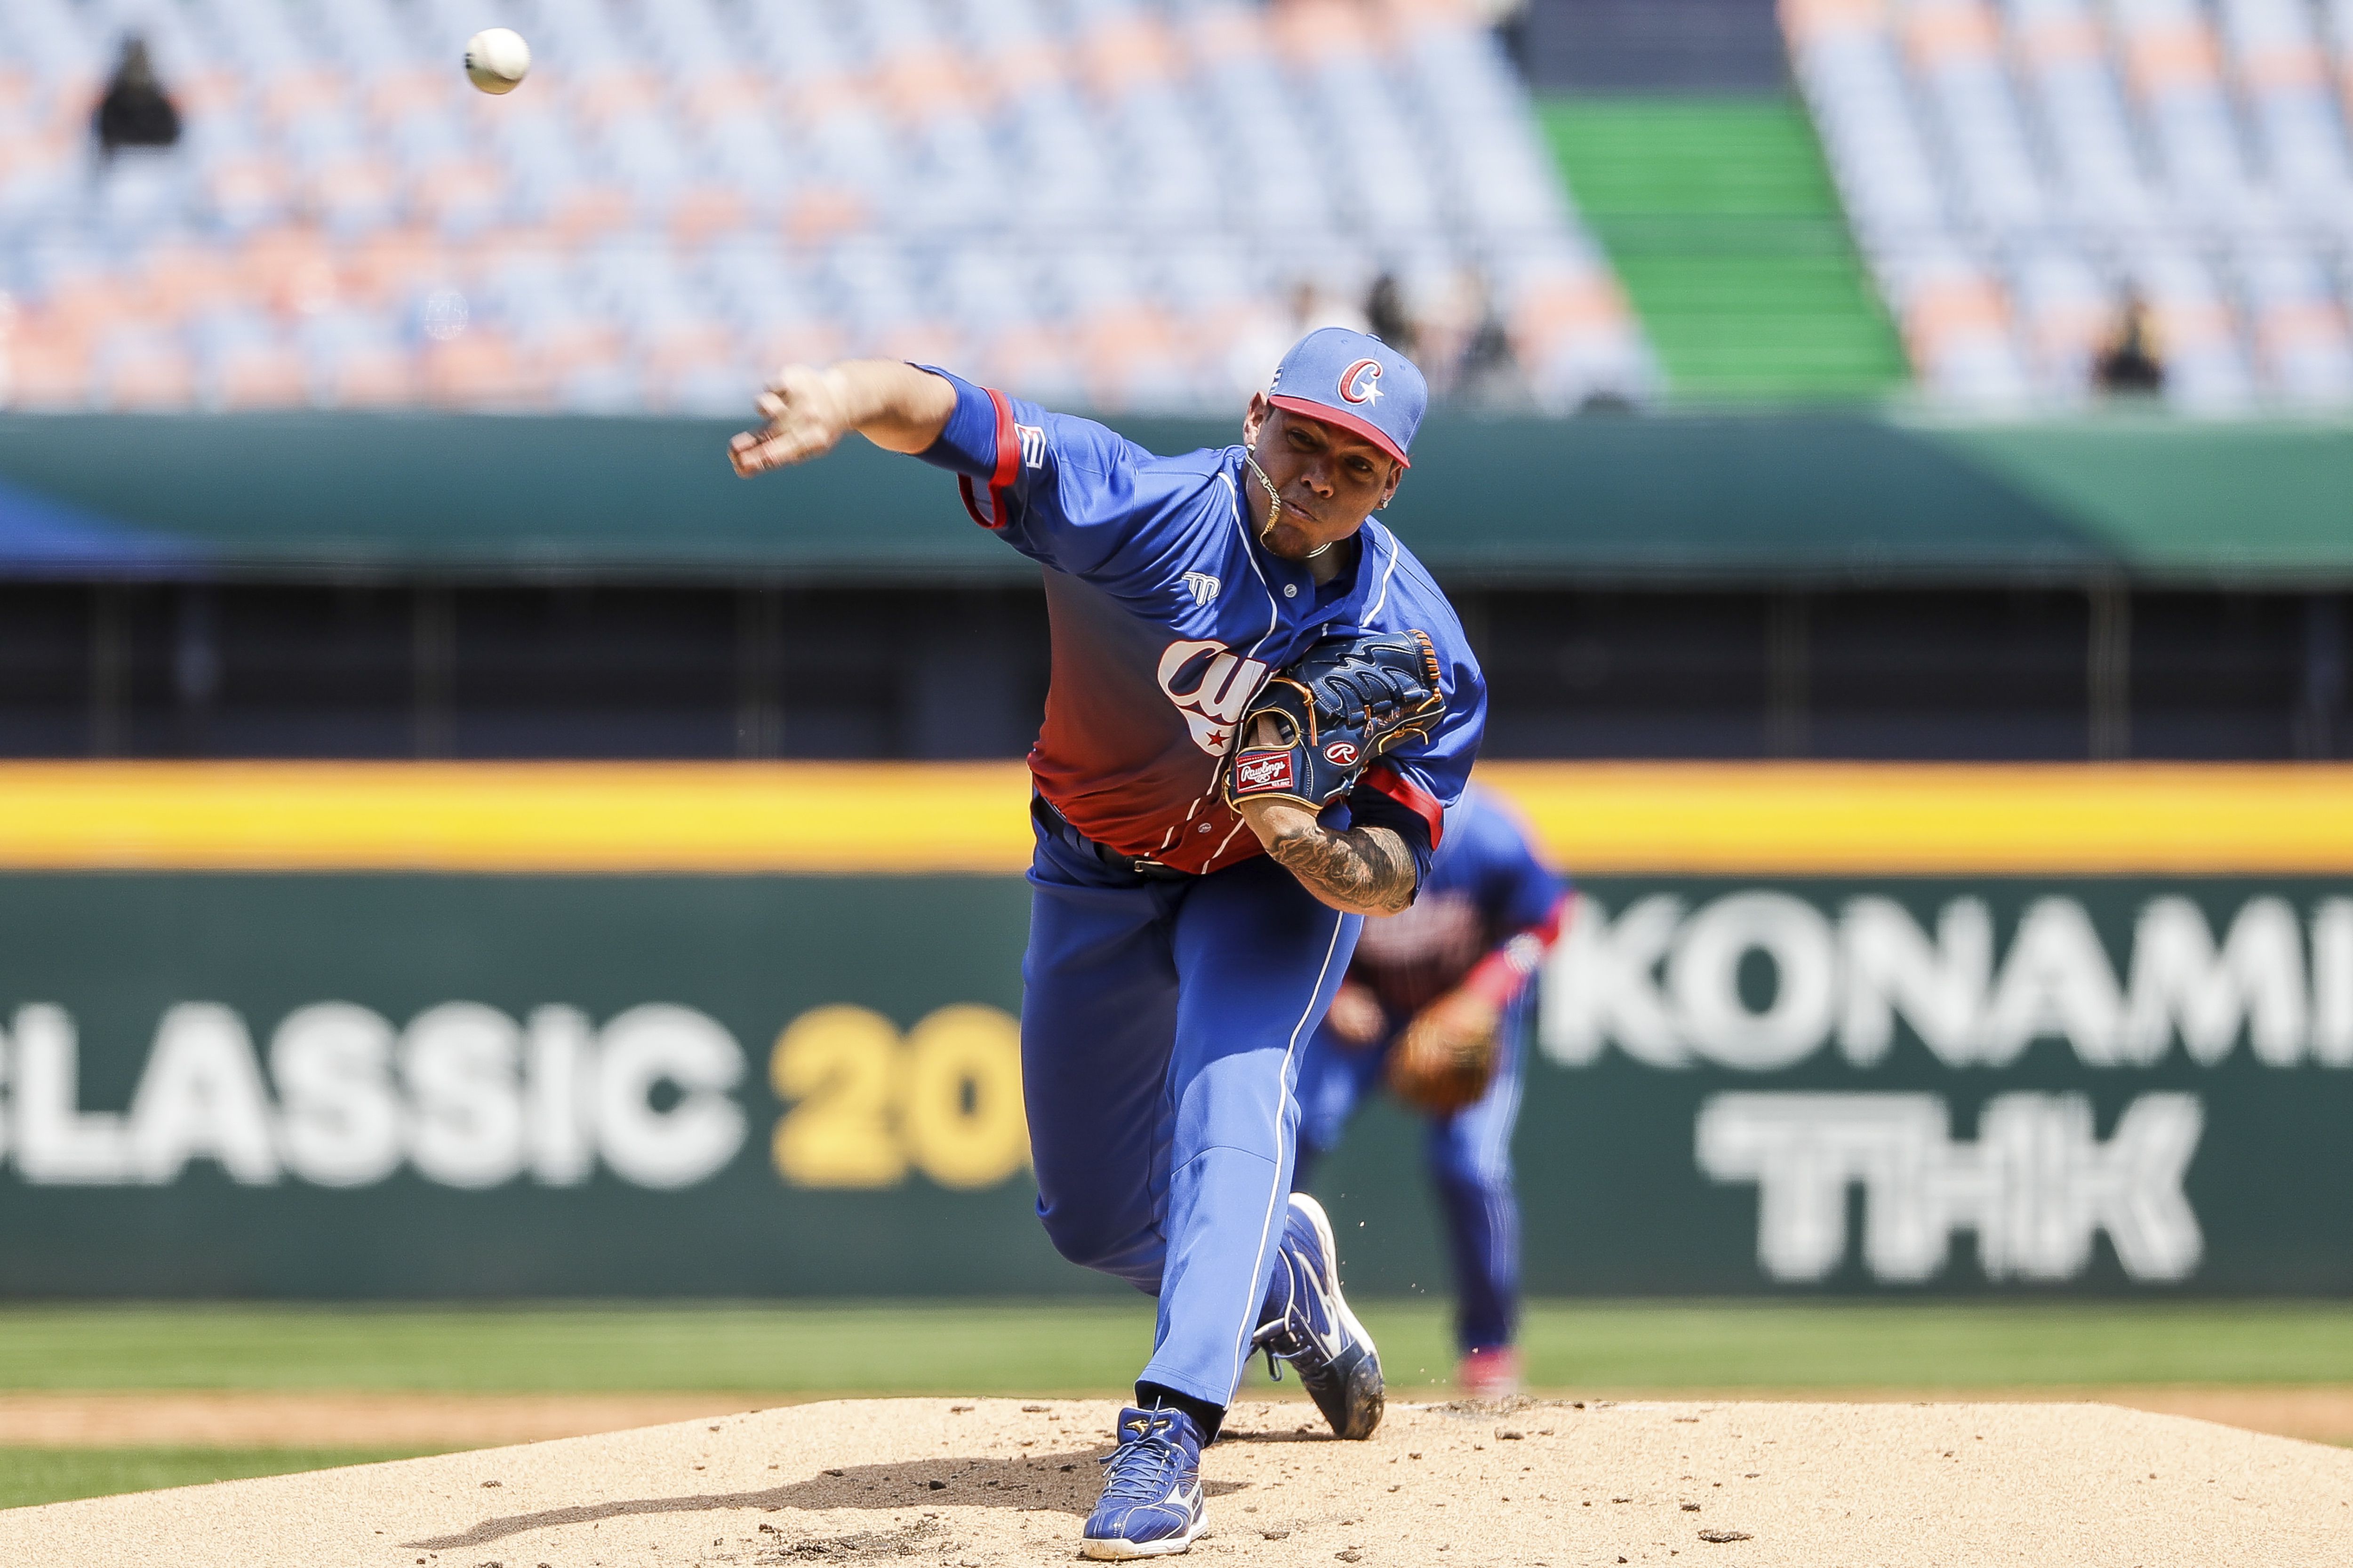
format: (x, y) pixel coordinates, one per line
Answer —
(497, 59)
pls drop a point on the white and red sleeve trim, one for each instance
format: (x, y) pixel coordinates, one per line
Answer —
(1008, 464)
(1411, 796)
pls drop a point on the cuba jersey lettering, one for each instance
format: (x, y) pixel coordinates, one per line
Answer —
(1167, 618)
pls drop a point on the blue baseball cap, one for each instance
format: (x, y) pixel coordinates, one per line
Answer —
(1357, 381)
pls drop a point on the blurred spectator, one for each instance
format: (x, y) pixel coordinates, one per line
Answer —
(2129, 364)
(1488, 373)
(231, 191)
(134, 111)
(1310, 309)
(1510, 20)
(1262, 344)
(1384, 314)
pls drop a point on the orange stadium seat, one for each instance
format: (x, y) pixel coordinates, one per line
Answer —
(588, 211)
(568, 346)
(1026, 354)
(725, 93)
(382, 271)
(2174, 54)
(916, 83)
(251, 189)
(145, 375)
(480, 370)
(460, 192)
(414, 91)
(260, 375)
(608, 93)
(1023, 68)
(361, 185)
(921, 343)
(200, 94)
(825, 212)
(299, 92)
(355, 192)
(804, 342)
(1128, 52)
(294, 270)
(1816, 21)
(1954, 312)
(183, 277)
(44, 369)
(375, 377)
(705, 212)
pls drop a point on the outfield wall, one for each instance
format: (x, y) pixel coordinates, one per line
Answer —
(352, 1031)
(1766, 497)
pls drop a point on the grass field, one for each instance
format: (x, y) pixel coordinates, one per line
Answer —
(1082, 1348)
(1073, 1348)
(28, 1476)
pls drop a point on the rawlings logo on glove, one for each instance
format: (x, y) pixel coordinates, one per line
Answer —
(1311, 732)
(1260, 773)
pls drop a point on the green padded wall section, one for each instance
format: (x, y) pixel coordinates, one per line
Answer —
(1720, 217)
(1691, 495)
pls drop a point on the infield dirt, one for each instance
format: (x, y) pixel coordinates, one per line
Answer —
(999, 1482)
(383, 1418)
(307, 1418)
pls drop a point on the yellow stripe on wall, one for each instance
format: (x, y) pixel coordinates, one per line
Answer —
(1752, 819)
(1865, 818)
(530, 816)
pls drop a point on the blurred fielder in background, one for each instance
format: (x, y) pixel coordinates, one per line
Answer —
(1437, 1001)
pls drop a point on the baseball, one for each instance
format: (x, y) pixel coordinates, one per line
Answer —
(497, 59)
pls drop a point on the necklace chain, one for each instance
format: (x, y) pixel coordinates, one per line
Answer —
(1274, 507)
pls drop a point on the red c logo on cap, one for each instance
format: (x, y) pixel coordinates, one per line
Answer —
(1366, 371)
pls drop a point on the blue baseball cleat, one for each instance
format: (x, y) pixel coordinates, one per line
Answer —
(1307, 1323)
(1151, 1504)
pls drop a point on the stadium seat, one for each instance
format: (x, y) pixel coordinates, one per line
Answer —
(710, 184)
(2018, 168)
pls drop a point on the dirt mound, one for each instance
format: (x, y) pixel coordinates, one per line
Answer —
(999, 1482)
(328, 1419)
(312, 1418)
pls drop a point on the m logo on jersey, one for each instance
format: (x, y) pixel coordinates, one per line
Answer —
(1202, 586)
(1210, 683)
(1361, 381)
(1033, 445)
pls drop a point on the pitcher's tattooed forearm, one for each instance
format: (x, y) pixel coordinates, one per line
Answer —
(1364, 870)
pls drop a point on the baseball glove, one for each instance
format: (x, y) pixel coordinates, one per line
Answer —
(1331, 715)
(1446, 1056)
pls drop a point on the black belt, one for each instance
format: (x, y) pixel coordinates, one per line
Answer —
(1059, 826)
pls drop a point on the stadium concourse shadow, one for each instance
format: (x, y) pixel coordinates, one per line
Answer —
(1055, 1483)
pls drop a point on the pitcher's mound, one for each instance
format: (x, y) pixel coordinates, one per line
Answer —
(1000, 1482)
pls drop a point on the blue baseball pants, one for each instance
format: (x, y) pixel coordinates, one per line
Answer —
(1469, 1155)
(1163, 1023)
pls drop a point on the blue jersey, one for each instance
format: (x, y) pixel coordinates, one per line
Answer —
(1485, 887)
(1167, 615)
